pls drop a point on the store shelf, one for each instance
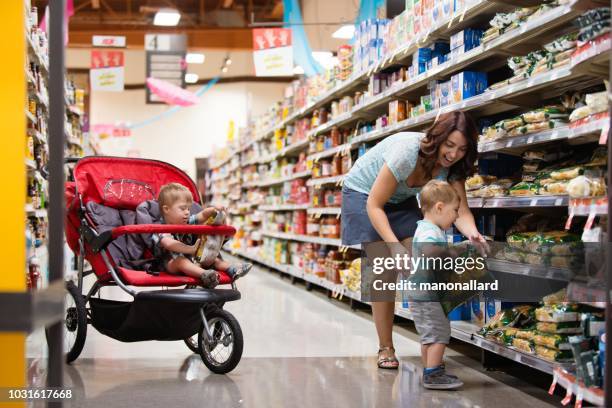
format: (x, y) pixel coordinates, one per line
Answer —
(332, 152)
(588, 206)
(73, 109)
(520, 202)
(30, 164)
(592, 395)
(324, 210)
(325, 180)
(466, 331)
(336, 288)
(533, 271)
(31, 211)
(28, 311)
(30, 117)
(461, 330)
(339, 121)
(34, 52)
(304, 238)
(283, 207)
(272, 182)
(581, 132)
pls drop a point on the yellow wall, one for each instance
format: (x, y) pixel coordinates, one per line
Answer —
(12, 204)
(12, 153)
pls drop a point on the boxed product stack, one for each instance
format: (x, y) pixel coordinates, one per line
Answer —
(369, 40)
(345, 63)
(464, 40)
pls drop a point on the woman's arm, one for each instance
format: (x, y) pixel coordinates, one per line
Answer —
(173, 245)
(383, 188)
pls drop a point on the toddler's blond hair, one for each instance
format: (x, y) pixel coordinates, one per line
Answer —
(437, 191)
(172, 192)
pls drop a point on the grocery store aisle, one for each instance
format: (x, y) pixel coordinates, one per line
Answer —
(301, 349)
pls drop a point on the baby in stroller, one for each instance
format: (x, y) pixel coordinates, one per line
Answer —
(177, 252)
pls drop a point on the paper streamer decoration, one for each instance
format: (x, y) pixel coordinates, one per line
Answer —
(170, 93)
(367, 10)
(68, 12)
(302, 54)
(174, 109)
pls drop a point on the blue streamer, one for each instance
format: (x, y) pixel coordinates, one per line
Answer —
(367, 10)
(302, 53)
(174, 109)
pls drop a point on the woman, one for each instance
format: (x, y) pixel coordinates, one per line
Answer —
(379, 195)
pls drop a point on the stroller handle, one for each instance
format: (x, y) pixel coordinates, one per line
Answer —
(225, 230)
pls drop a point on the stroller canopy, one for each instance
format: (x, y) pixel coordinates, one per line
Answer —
(126, 182)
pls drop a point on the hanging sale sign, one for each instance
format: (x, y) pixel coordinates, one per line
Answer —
(106, 72)
(272, 52)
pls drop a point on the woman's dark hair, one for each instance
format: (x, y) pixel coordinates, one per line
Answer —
(438, 133)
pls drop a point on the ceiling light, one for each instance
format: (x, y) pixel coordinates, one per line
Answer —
(346, 32)
(191, 78)
(224, 69)
(228, 61)
(167, 17)
(195, 58)
(298, 70)
(325, 58)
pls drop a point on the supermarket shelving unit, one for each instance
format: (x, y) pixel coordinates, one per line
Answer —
(580, 73)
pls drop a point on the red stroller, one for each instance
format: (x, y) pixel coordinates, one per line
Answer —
(100, 228)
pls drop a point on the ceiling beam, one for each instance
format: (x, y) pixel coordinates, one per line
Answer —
(224, 38)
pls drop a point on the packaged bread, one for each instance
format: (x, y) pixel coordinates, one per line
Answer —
(556, 314)
(493, 133)
(512, 123)
(552, 341)
(523, 189)
(565, 42)
(559, 327)
(523, 345)
(555, 188)
(567, 173)
(525, 334)
(519, 240)
(477, 181)
(493, 190)
(553, 355)
(580, 113)
(599, 157)
(545, 113)
(583, 186)
(559, 296)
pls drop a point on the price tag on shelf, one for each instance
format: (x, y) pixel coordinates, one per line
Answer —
(530, 140)
(589, 221)
(533, 202)
(510, 143)
(568, 223)
(558, 202)
(568, 396)
(603, 137)
(579, 397)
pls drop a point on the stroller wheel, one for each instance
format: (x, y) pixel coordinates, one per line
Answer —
(75, 322)
(223, 352)
(192, 343)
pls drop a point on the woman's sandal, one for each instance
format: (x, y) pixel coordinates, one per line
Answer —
(389, 363)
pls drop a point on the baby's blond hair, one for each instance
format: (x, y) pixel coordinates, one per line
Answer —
(172, 192)
(437, 191)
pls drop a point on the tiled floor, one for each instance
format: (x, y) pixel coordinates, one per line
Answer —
(301, 349)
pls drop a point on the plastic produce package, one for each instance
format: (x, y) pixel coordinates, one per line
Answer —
(559, 328)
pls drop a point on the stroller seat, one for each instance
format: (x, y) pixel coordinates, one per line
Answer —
(139, 278)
